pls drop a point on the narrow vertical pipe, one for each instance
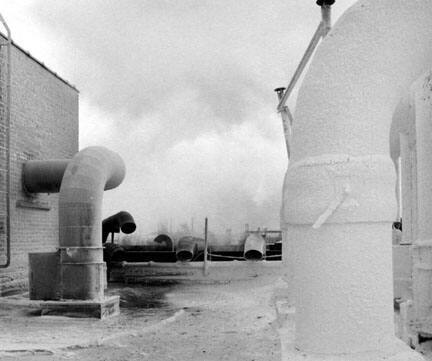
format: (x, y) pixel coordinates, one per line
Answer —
(8, 155)
(205, 246)
(286, 121)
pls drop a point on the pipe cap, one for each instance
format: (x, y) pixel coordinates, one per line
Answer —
(325, 2)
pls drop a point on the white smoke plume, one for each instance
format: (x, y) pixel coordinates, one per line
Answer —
(183, 90)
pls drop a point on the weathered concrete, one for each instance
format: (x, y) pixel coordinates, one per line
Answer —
(235, 321)
(101, 309)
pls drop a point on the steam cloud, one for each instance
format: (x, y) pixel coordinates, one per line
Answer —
(183, 90)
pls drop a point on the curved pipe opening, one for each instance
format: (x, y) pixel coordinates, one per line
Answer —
(114, 253)
(121, 221)
(187, 248)
(185, 255)
(164, 241)
(128, 227)
(253, 255)
(254, 247)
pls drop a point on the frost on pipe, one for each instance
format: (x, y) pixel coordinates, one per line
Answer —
(88, 174)
(342, 180)
(187, 248)
(254, 247)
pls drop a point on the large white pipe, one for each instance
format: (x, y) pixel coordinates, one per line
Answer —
(339, 198)
(421, 111)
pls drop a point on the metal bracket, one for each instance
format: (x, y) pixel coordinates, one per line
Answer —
(322, 30)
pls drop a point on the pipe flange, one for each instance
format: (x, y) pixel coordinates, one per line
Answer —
(325, 2)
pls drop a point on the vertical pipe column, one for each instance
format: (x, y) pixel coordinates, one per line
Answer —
(8, 142)
(409, 184)
(339, 196)
(87, 175)
(422, 251)
(339, 224)
(287, 246)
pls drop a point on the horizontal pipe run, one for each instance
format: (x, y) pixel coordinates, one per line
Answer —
(44, 176)
(165, 241)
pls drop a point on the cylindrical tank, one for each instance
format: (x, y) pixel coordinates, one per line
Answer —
(88, 174)
(44, 176)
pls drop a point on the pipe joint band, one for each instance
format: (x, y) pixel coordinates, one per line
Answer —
(338, 188)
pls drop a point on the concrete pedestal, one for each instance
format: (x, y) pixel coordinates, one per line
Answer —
(76, 308)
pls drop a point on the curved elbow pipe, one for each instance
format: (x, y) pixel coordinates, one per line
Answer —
(121, 221)
(339, 200)
(89, 173)
(254, 247)
(187, 248)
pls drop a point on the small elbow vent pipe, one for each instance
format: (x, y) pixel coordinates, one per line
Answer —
(121, 221)
(187, 248)
(164, 241)
(254, 247)
(339, 199)
(89, 173)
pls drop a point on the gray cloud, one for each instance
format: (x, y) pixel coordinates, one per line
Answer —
(183, 90)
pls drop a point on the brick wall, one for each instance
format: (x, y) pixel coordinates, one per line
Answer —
(44, 125)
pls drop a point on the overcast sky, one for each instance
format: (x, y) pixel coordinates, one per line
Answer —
(183, 91)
